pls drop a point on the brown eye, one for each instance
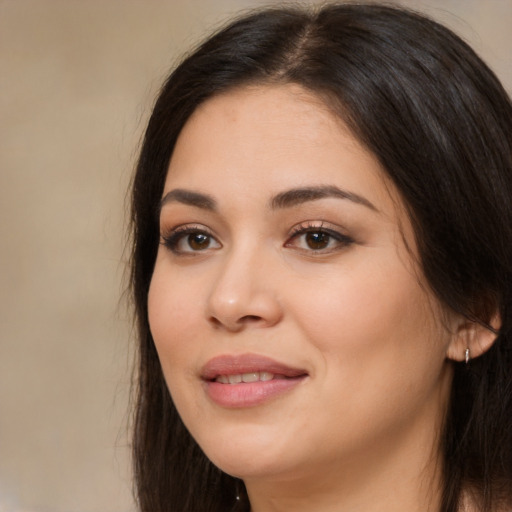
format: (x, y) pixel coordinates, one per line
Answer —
(317, 240)
(189, 240)
(198, 241)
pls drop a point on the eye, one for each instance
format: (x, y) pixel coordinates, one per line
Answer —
(317, 239)
(189, 239)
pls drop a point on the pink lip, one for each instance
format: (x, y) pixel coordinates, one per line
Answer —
(248, 394)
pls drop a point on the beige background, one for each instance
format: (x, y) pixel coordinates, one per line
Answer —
(76, 81)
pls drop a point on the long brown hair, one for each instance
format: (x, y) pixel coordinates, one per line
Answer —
(440, 124)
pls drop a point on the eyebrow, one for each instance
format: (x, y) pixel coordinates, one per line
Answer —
(286, 199)
(301, 195)
(188, 197)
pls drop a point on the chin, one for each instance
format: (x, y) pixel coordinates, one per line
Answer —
(251, 468)
(247, 455)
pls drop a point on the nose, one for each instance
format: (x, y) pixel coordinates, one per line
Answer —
(245, 294)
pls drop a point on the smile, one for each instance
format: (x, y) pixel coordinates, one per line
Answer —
(248, 380)
(248, 377)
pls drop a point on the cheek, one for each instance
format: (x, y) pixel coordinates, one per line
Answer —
(380, 323)
(173, 322)
(171, 317)
(381, 353)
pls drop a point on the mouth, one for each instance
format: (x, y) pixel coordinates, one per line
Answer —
(235, 369)
(238, 378)
(247, 380)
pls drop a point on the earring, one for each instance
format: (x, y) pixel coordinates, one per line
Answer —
(467, 355)
(237, 491)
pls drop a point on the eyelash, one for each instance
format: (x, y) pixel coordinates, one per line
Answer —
(341, 241)
(172, 240)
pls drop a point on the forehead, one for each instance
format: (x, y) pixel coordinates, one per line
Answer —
(270, 138)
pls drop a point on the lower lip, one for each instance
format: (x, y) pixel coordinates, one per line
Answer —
(249, 394)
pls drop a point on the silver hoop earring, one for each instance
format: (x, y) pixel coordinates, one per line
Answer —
(467, 355)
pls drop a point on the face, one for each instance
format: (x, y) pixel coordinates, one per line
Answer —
(293, 328)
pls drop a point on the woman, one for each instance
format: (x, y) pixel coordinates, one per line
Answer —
(322, 271)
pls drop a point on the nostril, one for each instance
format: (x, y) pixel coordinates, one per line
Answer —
(215, 321)
(235, 312)
(250, 319)
(237, 324)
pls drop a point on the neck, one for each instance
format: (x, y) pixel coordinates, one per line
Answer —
(355, 488)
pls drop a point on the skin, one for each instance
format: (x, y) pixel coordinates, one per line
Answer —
(360, 432)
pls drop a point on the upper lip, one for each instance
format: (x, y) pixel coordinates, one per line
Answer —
(247, 363)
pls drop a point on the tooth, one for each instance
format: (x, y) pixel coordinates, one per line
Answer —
(247, 377)
(251, 377)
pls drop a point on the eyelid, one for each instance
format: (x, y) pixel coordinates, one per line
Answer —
(170, 238)
(343, 240)
(316, 225)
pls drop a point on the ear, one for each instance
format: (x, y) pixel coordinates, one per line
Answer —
(474, 337)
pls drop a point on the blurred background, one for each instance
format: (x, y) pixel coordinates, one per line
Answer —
(77, 81)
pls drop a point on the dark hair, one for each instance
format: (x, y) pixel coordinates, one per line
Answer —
(440, 123)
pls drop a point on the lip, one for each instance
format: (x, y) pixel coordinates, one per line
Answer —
(248, 394)
(246, 363)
